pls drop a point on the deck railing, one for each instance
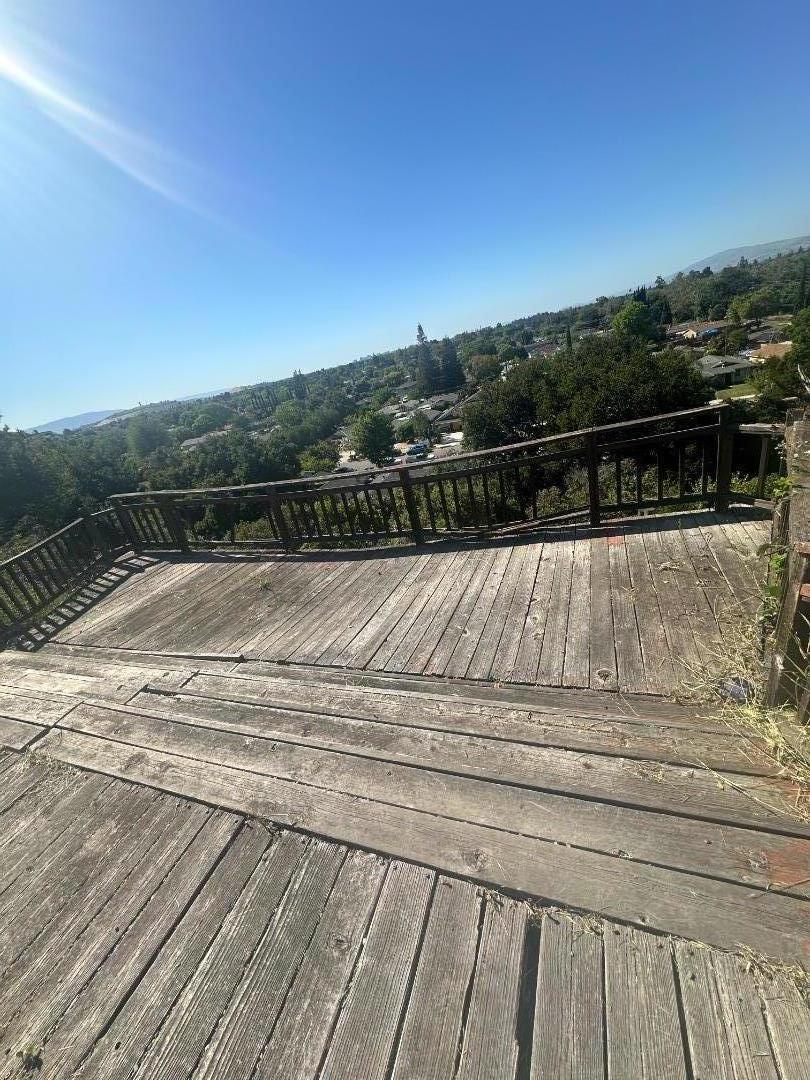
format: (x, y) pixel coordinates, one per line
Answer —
(34, 580)
(679, 459)
(668, 460)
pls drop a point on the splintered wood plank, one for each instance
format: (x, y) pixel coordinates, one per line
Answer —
(366, 640)
(568, 1041)
(259, 997)
(460, 616)
(746, 1030)
(684, 904)
(432, 1028)
(389, 577)
(323, 618)
(601, 640)
(576, 668)
(32, 706)
(163, 661)
(726, 1003)
(444, 613)
(121, 1047)
(695, 604)
(176, 1049)
(401, 657)
(486, 650)
(308, 584)
(368, 1022)
(760, 859)
(508, 647)
(20, 776)
(788, 1019)
(132, 947)
(552, 652)
(703, 1014)
(683, 649)
(380, 651)
(688, 792)
(34, 912)
(42, 820)
(658, 667)
(329, 638)
(298, 1041)
(489, 1049)
(158, 888)
(465, 648)
(641, 1009)
(16, 735)
(629, 658)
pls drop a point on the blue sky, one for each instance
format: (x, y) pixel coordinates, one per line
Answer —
(202, 193)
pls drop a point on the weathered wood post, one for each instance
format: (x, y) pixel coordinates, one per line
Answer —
(410, 505)
(593, 480)
(725, 443)
(277, 517)
(173, 522)
(788, 675)
(93, 534)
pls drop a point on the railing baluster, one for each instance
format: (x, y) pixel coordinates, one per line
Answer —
(659, 475)
(448, 526)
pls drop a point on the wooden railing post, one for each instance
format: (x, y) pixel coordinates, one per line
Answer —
(277, 516)
(725, 444)
(173, 522)
(93, 533)
(410, 505)
(127, 527)
(593, 480)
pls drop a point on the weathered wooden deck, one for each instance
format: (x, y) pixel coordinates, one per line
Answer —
(144, 935)
(341, 865)
(631, 606)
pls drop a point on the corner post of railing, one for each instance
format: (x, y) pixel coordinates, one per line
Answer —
(725, 442)
(592, 457)
(280, 522)
(173, 521)
(410, 505)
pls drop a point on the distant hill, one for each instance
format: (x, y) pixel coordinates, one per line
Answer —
(73, 423)
(754, 251)
(86, 419)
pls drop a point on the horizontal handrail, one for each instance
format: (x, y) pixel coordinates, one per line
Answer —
(469, 455)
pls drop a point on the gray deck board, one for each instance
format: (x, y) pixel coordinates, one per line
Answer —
(214, 946)
(501, 609)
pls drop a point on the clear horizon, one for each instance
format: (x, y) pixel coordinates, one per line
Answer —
(194, 200)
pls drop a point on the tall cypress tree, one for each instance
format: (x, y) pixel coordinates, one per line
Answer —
(427, 370)
(569, 344)
(450, 370)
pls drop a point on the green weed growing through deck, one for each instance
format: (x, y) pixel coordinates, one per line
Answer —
(30, 1058)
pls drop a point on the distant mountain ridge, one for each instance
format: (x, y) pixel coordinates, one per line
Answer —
(732, 256)
(87, 419)
(72, 423)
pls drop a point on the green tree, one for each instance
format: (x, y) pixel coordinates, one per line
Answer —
(421, 424)
(427, 369)
(372, 436)
(451, 373)
(569, 344)
(484, 369)
(322, 456)
(146, 433)
(787, 376)
(635, 320)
